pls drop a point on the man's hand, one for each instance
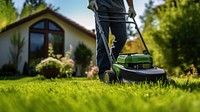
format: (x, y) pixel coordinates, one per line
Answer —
(131, 12)
(92, 5)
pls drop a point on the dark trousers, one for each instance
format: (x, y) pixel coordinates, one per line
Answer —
(118, 30)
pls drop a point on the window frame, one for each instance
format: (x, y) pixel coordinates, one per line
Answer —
(45, 31)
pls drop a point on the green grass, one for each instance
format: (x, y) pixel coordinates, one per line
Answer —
(36, 94)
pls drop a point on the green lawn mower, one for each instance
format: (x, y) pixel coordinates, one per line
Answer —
(130, 67)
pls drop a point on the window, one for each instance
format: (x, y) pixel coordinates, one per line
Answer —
(53, 26)
(36, 48)
(42, 34)
(39, 25)
(56, 40)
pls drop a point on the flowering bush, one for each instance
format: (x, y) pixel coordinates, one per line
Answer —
(49, 67)
(67, 67)
(64, 65)
(48, 63)
(67, 64)
(193, 73)
(93, 73)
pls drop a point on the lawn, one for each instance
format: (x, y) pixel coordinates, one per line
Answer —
(36, 94)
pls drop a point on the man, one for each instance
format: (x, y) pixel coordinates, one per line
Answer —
(117, 29)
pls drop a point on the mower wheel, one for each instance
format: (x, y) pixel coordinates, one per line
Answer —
(109, 77)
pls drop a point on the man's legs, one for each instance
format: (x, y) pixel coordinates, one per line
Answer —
(102, 57)
(119, 31)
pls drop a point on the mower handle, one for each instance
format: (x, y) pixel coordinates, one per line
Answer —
(117, 21)
(134, 22)
(112, 12)
(113, 21)
(138, 30)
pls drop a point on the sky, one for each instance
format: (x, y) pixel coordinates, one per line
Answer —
(77, 11)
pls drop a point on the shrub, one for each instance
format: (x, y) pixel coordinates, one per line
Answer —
(48, 63)
(53, 66)
(25, 69)
(67, 65)
(83, 56)
(6, 74)
(93, 73)
(193, 72)
(9, 69)
(175, 41)
(49, 67)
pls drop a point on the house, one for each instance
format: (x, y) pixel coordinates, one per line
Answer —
(40, 29)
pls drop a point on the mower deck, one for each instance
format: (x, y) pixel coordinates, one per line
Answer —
(139, 75)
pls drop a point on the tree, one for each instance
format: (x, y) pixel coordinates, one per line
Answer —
(148, 17)
(150, 21)
(134, 43)
(32, 6)
(8, 13)
(175, 35)
(134, 46)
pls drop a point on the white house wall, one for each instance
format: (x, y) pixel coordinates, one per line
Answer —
(5, 44)
(72, 37)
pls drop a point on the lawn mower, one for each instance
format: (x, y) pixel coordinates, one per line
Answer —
(129, 67)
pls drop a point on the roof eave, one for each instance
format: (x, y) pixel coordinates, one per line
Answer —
(48, 10)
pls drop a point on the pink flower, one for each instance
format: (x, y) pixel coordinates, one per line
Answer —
(90, 74)
(93, 72)
(70, 61)
(95, 69)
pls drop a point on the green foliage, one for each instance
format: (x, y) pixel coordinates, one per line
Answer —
(16, 49)
(93, 71)
(8, 70)
(33, 6)
(8, 13)
(6, 74)
(48, 63)
(51, 51)
(80, 95)
(29, 9)
(67, 65)
(83, 56)
(26, 11)
(134, 43)
(193, 72)
(174, 35)
(134, 46)
(64, 64)
(148, 17)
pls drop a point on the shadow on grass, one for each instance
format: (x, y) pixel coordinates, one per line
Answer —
(11, 77)
(188, 85)
(39, 77)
